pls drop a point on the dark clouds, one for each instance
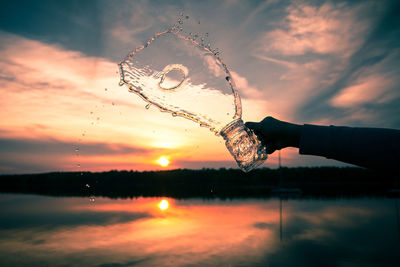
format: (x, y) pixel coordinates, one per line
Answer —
(47, 154)
(74, 24)
(51, 220)
(379, 53)
(53, 146)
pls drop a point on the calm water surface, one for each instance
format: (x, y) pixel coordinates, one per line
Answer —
(69, 231)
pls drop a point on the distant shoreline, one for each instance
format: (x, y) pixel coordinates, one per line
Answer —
(209, 183)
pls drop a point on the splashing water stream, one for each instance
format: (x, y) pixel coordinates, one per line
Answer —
(179, 75)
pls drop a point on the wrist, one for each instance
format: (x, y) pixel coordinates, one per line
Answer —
(295, 134)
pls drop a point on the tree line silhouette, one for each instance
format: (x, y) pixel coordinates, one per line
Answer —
(206, 183)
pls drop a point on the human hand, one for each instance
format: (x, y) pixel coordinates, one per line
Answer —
(275, 134)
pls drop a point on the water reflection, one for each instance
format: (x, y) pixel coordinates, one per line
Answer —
(37, 230)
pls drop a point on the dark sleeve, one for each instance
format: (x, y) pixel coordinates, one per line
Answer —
(365, 147)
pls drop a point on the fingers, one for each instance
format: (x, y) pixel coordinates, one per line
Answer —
(252, 125)
(257, 128)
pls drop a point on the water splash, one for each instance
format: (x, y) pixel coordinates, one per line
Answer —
(186, 77)
(148, 72)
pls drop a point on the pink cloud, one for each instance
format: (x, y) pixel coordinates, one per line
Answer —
(372, 88)
(244, 88)
(328, 29)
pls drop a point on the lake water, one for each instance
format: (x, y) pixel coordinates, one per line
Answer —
(70, 231)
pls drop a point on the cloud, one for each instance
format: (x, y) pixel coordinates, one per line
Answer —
(244, 88)
(213, 65)
(48, 154)
(29, 64)
(242, 84)
(308, 29)
(370, 84)
(255, 12)
(372, 88)
(285, 63)
(55, 219)
(325, 29)
(317, 49)
(53, 146)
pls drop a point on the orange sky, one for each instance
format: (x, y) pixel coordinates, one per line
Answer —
(62, 97)
(320, 63)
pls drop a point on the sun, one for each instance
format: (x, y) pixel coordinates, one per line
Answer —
(163, 161)
(163, 205)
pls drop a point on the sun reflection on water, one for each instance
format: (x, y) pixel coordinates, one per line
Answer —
(171, 232)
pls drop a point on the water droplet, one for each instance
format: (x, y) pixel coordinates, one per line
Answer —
(77, 149)
(105, 89)
(227, 113)
(91, 112)
(174, 114)
(227, 78)
(83, 134)
(87, 185)
(199, 21)
(187, 17)
(147, 106)
(98, 118)
(78, 165)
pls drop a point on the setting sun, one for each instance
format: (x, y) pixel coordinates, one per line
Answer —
(163, 205)
(163, 161)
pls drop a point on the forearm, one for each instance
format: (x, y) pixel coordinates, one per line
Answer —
(366, 147)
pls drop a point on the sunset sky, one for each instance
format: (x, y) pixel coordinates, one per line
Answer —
(61, 108)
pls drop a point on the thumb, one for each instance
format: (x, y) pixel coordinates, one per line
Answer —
(252, 125)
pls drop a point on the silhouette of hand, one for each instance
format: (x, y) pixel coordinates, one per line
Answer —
(275, 134)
